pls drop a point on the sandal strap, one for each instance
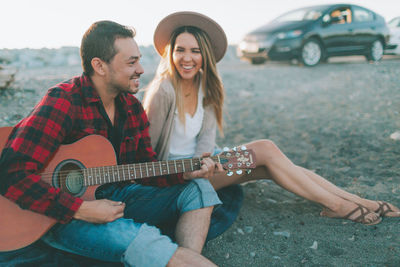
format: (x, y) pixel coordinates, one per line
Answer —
(383, 208)
(354, 211)
(362, 217)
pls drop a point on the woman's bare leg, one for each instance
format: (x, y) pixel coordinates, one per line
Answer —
(370, 204)
(273, 164)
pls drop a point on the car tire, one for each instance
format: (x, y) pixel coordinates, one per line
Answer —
(311, 52)
(375, 51)
(257, 61)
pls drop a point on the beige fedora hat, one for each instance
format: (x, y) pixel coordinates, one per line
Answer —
(173, 21)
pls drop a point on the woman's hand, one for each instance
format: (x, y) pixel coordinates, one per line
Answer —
(100, 211)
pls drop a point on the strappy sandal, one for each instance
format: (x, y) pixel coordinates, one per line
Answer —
(384, 208)
(362, 218)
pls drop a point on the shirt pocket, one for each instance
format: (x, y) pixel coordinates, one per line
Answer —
(83, 131)
(132, 142)
(128, 148)
(92, 127)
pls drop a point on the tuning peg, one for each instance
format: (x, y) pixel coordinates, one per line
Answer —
(229, 173)
(248, 171)
(234, 149)
(239, 172)
(225, 149)
(243, 148)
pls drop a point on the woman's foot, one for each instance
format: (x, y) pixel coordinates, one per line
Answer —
(358, 214)
(386, 209)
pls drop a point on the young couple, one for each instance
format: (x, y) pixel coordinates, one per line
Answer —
(184, 106)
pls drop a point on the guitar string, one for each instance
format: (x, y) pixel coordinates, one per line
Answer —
(137, 167)
(127, 167)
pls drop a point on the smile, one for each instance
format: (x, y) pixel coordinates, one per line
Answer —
(188, 67)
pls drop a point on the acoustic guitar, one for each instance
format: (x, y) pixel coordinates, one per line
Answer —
(79, 168)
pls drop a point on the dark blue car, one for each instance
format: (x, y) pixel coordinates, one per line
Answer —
(313, 34)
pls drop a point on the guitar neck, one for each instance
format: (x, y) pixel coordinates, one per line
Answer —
(118, 173)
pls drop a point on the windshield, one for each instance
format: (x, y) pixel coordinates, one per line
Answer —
(394, 22)
(301, 14)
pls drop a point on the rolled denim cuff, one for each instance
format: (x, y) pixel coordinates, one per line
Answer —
(149, 249)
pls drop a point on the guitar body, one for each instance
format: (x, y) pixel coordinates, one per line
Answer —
(18, 227)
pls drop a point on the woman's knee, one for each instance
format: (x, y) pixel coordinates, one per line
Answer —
(265, 149)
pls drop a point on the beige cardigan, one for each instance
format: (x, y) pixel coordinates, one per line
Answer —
(160, 112)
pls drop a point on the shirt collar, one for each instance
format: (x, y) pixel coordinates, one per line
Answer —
(89, 92)
(91, 95)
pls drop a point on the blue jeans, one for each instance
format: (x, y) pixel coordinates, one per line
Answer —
(41, 255)
(134, 239)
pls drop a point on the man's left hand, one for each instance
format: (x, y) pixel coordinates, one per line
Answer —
(207, 169)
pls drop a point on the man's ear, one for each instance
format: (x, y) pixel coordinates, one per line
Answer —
(99, 66)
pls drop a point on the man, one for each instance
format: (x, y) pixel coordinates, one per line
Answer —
(117, 226)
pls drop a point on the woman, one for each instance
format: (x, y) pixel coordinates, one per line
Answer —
(184, 104)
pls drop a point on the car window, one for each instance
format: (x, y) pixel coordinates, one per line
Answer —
(300, 14)
(341, 15)
(362, 15)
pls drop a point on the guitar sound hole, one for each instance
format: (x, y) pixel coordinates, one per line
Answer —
(74, 181)
(68, 177)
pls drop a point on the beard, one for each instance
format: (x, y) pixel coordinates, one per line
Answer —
(116, 87)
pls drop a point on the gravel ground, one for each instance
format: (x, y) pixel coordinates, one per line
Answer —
(335, 119)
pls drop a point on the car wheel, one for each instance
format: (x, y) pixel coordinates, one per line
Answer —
(257, 61)
(311, 52)
(375, 52)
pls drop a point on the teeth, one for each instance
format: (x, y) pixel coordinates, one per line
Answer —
(187, 67)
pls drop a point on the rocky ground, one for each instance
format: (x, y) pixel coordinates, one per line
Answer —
(337, 119)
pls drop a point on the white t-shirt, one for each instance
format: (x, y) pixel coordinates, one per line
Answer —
(184, 137)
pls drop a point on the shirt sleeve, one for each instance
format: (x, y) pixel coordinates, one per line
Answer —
(145, 153)
(30, 146)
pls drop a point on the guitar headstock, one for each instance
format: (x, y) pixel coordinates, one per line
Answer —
(237, 158)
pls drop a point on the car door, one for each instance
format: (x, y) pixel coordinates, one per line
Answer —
(337, 31)
(364, 27)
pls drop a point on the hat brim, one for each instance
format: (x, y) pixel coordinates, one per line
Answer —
(173, 21)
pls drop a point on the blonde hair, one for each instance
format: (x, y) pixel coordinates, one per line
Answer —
(208, 76)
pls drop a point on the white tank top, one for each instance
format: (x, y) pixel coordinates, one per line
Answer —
(184, 137)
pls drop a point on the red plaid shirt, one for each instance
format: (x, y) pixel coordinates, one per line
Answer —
(68, 112)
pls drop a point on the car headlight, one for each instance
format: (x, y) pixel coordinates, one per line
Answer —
(289, 34)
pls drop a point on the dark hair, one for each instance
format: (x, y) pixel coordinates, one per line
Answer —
(98, 41)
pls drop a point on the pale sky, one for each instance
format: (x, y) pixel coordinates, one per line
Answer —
(53, 23)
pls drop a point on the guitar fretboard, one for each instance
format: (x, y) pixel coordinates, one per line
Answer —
(118, 173)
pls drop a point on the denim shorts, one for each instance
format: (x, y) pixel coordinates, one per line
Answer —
(134, 240)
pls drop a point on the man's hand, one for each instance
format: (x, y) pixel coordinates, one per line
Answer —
(100, 211)
(207, 169)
